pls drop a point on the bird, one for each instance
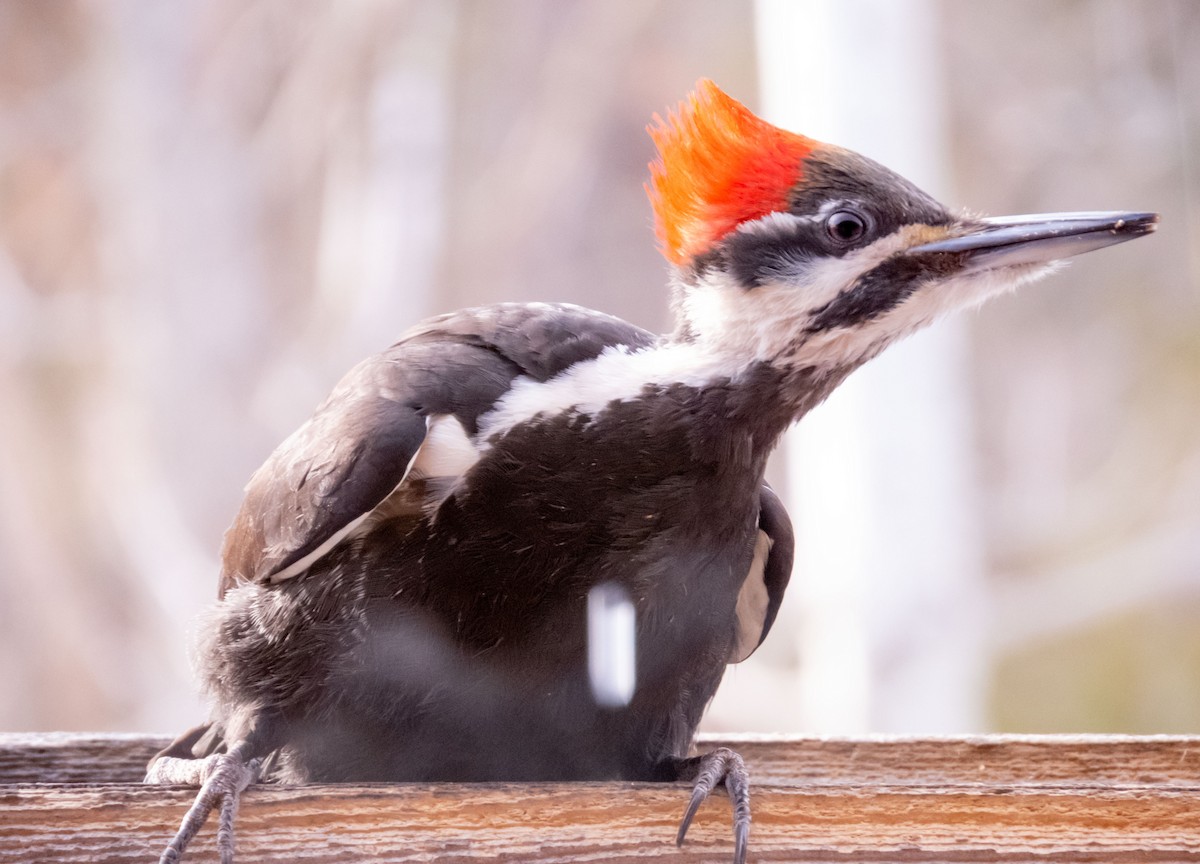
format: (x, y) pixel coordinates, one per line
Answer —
(404, 591)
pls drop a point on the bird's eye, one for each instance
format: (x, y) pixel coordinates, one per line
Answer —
(845, 227)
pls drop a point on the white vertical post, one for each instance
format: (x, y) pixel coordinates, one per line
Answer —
(880, 478)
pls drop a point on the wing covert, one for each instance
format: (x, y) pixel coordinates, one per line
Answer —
(323, 480)
(359, 445)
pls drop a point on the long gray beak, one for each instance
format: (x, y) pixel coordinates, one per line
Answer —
(1007, 241)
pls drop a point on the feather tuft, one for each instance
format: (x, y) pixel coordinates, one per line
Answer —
(718, 166)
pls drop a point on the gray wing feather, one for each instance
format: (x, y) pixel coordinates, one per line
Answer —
(358, 445)
(341, 464)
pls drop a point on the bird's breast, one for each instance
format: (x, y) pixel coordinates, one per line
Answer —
(634, 493)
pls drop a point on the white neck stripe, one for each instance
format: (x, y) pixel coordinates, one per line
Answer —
(616, 374)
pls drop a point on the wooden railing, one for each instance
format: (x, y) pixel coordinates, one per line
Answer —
(77, 798)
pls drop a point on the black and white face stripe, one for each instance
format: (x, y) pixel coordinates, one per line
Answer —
(877, 292)
(769, 322)
(841, 189)
(846, 203)
(832, 312)
(829, 283)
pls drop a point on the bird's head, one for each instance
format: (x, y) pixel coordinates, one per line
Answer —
(798, 253)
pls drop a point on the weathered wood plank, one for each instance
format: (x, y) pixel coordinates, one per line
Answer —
(613, 822)
(986, 798)
(993, 760)
(998, 760)
(75, 757)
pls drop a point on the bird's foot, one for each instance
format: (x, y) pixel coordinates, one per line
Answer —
(221, 778)
(720, 766)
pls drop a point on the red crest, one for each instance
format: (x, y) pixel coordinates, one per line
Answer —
(718, 166)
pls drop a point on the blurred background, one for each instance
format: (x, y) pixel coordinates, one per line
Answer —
(210, 209)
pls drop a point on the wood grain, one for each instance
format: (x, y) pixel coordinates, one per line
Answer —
(613, 821)
(997, 760)
(1110, 799)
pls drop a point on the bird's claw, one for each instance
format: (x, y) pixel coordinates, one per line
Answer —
(221, 778)
(722, 766)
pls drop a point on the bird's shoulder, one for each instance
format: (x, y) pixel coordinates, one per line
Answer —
(359, 445)
(541, 339)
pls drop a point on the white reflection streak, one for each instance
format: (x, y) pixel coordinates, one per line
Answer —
(612, 651)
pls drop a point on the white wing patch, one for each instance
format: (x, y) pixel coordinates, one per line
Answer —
(752, 602)
(447, 450)
(445, 455)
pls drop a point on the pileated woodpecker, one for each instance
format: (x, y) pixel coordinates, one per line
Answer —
(404, 591)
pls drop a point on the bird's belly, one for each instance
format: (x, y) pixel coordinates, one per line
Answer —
(473, 664)
(420, 706)
(475, 678)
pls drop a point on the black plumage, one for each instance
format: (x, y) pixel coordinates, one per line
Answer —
(384, 618)
(403, 592)
(445, 641)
